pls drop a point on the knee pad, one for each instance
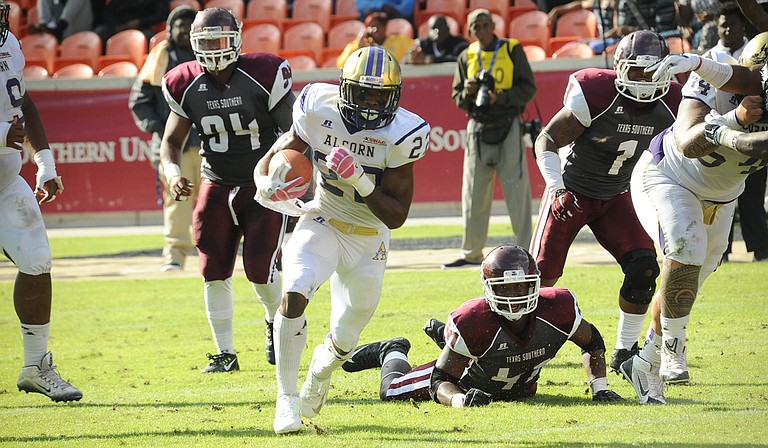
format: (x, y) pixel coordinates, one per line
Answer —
(640, 271)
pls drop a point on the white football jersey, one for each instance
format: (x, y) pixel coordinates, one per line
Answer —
(719, 176)
(12, 78)
(318, 121)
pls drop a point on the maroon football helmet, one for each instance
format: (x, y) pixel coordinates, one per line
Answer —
(640, 49)
(511, 281)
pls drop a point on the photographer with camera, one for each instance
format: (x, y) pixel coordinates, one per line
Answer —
(608, 120)
(493, 83)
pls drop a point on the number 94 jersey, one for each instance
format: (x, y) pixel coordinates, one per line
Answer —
(317, 121)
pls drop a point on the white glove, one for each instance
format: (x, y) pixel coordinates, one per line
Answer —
(674, 64)
(728, 120)
(346, 165)
(46, 170)
(275, 188)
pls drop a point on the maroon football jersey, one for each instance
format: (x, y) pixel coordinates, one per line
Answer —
(235, 121)
(601, 160)
(504, 364)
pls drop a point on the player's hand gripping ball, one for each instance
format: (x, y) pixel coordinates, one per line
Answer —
(290, 175)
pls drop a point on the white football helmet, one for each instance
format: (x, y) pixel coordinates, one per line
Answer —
(514, 266)
(216, 38)
(640, 49)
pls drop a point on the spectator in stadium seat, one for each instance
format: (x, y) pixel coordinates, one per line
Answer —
(150, 111)
(657, 14)
(491, 348)
(394, 8)
(439, 46)
(62, 18)
(142, 15)
(375, 33)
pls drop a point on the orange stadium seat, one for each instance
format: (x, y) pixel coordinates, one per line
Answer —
(15, 20)
(40, 49)
(453, 8)
(35, 72)
(571, 26)
(344, 32)
(453, 26)
(534, 53)
(83, 47)
(520, 7)
(74, 71)
(302, 62)
(574, 50)
(530, 28)
(262, 37)
(32, 16)
(317, 11)
(265, 11)
(400, 26)
(500, 7)
(237, 7)
(307, 36)
(344, 10)
(191, 3)
(125, 69)
(157, 38)
(127, 45)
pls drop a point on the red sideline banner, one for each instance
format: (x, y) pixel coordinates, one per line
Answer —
(104, 159)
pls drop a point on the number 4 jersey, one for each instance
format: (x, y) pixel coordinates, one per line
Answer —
(239, 121)
(318, 122)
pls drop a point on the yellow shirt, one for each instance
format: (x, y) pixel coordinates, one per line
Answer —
(396, 44)
(503, 68)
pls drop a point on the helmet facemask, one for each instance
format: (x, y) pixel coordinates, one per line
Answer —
(503, 301)
(5, 11)
(370, 89)
(643, 91)
(216, 47)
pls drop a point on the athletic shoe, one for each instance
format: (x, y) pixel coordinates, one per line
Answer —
(269, 349)
(620, 355)
(461, 263)
(169, 267)
(371, 356)
(674, 367)
(314, 392)
(287, 418)
(43, 379)
(647, 383)
(223, 362)
(436, 331)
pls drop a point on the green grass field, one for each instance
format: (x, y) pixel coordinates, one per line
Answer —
(135, 347)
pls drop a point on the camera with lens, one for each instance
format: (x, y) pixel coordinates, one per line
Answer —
(533, 128)
(483, 99)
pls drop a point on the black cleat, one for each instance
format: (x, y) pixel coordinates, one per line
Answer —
(269, 349)
(620, 355)
(436, 331)
(223, 362)
(370, 356)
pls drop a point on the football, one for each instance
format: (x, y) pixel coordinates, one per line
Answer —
(300, 165)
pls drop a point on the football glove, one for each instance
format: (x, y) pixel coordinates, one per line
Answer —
(275, 188)
(565, 205)
(476, 397)
(606, 396)
(674, 64)
(346, 165)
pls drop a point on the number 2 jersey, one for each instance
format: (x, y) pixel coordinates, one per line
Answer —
(617, 132)
(718, 176)
(504, 364)
(239, 121)
(318, 122)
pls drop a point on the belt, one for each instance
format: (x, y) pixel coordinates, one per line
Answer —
(344, 227)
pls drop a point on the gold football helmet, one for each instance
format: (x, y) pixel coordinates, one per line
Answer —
(370, 88)
(216, 38)
(756, 51)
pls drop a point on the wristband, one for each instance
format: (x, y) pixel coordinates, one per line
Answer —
(732, 121)
(46, 167)
(551, 171)
(598, 384)
(728, 137)
(457, 400)
(713, 72)
(364, 186)
(171, 170)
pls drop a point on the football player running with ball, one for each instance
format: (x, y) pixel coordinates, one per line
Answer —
(364, 148)
(239, 104)
(22, 231)
(494, 346)
(685, 189)
(608, 119)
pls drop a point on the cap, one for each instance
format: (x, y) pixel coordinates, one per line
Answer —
(473, 16)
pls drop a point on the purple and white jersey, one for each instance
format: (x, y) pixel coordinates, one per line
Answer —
(317, 120)
(718, 176)
(504, 364)
(234, 120)
(601, 160)
(14, 88)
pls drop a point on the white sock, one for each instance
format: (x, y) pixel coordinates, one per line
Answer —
(220, 308)
(324, 362)
(630, 327)
(394, 354)
(290, 338)
(673, 331)
(34, 338)
(269, 294)
(651, 350)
